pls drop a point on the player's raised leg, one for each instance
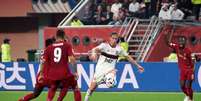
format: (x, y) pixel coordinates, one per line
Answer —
(92, 87)
(30, 96)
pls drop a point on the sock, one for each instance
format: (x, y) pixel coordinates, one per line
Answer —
(88, 94)
(51, 93)
(190, 93)
(62, 94)
(184, 89)
(27, 97)
(77, 95)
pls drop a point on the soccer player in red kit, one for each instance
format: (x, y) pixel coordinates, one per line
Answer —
(186, 67)
(57, 56)
(41, 80)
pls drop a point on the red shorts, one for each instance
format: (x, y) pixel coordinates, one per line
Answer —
(187, 74)
(70, 82)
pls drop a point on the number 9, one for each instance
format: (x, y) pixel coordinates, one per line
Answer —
(57, 54)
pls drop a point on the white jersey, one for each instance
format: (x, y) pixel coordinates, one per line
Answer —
(108, 58)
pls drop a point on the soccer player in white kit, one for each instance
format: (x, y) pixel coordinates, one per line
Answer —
(109, 52)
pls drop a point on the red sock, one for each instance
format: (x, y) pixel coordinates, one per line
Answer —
(62, 94)
(27, 97)
(51, 93)
(77, 95)
(185, 90)
(190, 93)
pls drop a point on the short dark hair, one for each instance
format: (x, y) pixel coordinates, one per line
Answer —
(60, 34)
(6, 40)
(122, 39)
(113, 33)
(49, 41)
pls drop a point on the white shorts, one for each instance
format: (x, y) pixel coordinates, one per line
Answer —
(99, 76)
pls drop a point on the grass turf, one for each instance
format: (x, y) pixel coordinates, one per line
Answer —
(107, 96)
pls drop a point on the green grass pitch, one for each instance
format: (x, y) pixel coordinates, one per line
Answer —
(107, 96)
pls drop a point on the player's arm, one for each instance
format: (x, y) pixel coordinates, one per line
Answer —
(168, 39)
(130, 59)
(95, 51)
(72, 61)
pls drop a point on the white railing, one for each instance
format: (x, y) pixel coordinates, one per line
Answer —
(128, 28)
(130, 34)
(72, 13)
(153, 36)
(142, 43)
(150, 34)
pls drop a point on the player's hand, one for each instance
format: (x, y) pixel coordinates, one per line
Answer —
(192, 76)
(140, 69)
(93, 57)
(40, 78)
(76, 76)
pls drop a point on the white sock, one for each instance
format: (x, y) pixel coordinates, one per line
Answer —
(88, 94)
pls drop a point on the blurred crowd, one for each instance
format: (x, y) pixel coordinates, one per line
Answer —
(113, 12)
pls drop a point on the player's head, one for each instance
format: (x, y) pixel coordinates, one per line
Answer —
(49, 41)
(182, 41)
(6, 41)
(122, 39)
(60, 34)
(114, 38)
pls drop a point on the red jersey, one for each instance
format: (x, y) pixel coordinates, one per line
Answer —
(56, 56)
(184, 57)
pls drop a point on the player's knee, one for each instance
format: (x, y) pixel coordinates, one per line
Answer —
(92, 86)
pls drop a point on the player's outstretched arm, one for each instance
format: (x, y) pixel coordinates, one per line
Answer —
(72, 61)
(140, 68)
(41, 75)
(94, 53)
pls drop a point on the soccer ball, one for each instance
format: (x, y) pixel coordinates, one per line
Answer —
(110, 80)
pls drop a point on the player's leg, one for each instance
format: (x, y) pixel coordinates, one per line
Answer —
(183, 87)
(190, 78)
(64, 85)
(77, 93)
(92, 87)
(37, 91)
(73, 84)
(52, 90)
(62, 93)
(183, 82)
(189, 89)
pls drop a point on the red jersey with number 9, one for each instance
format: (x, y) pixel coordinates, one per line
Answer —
(56, 56)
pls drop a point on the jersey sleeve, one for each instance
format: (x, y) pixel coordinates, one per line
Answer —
(45, 56)
(100, 47)
(42, 56)
(69, 50)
